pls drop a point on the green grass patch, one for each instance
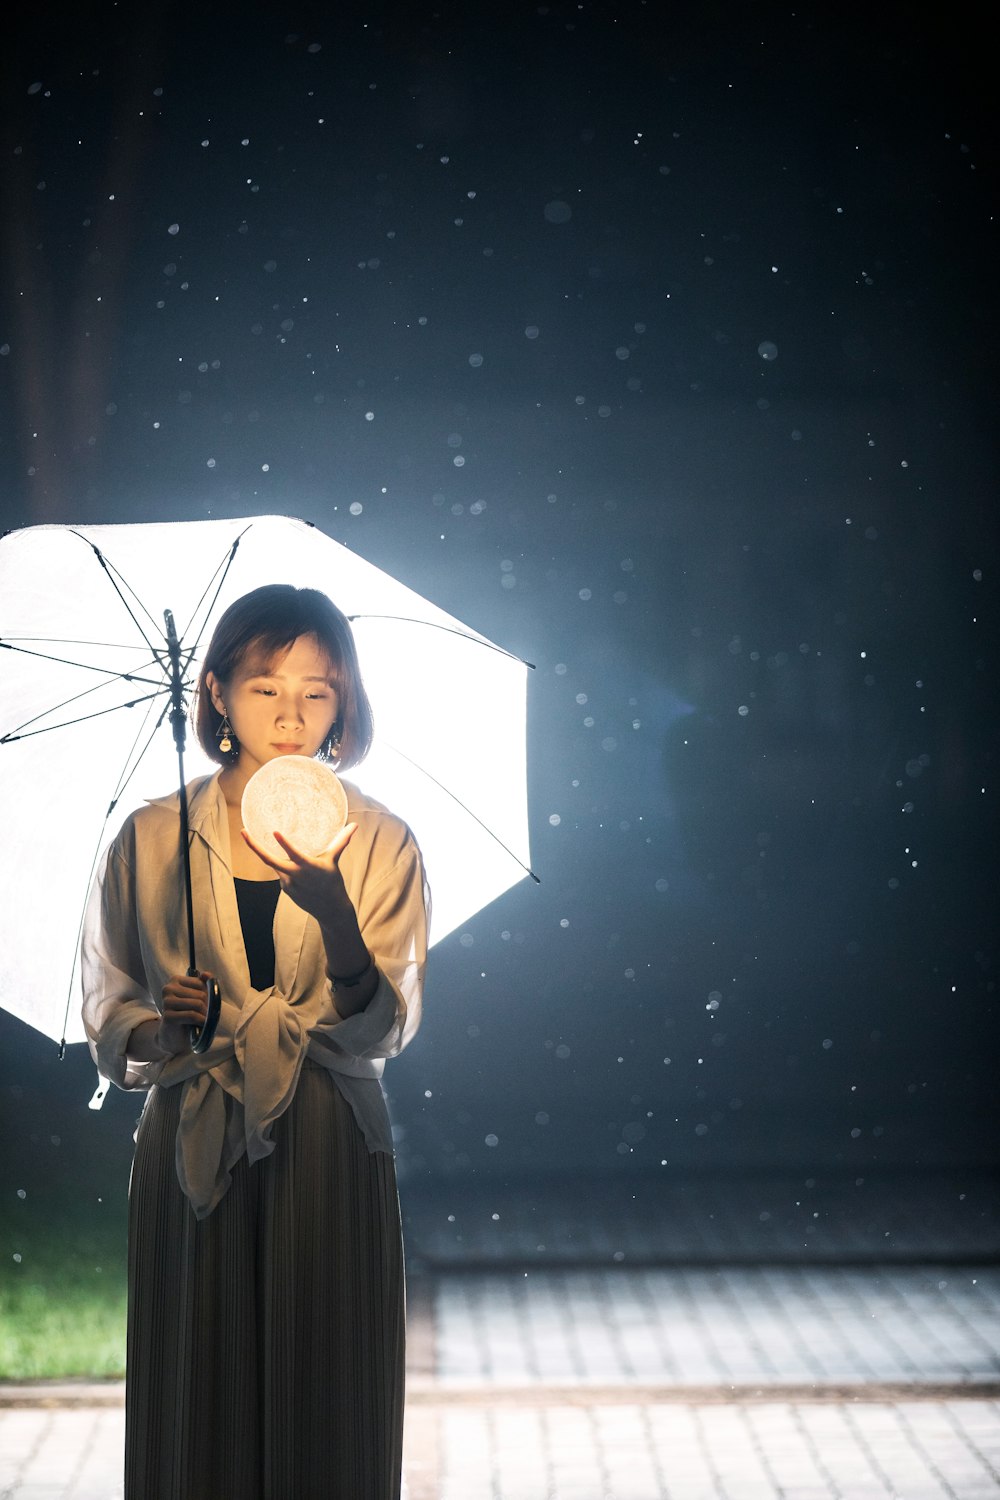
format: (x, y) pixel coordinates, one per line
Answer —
(62, 1293)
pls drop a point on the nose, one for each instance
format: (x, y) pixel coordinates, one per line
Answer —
(289, 712)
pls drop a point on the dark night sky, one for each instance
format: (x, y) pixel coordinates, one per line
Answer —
(658, 344)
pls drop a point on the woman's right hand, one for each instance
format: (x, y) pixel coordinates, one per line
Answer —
(185, 1004)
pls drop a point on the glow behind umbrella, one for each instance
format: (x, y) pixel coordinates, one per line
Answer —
(449, 755)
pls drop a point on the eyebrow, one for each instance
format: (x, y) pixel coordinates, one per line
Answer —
(264, 672)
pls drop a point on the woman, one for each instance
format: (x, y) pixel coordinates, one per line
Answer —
(265, 1335)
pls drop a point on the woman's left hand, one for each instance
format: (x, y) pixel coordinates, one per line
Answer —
(313, 881)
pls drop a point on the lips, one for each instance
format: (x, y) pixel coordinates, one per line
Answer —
(287, 749)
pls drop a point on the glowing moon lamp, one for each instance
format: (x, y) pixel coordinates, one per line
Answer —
(297, 797)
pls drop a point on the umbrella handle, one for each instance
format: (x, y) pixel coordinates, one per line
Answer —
(203, 1035)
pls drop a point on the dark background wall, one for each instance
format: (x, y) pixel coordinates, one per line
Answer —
(702, 297)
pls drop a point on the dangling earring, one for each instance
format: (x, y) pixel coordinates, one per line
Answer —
(331, 750)
(224, 735)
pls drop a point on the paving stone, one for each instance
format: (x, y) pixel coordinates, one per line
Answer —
(787, 1325)
(550, 1387)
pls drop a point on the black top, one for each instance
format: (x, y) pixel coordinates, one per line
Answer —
(257, 900)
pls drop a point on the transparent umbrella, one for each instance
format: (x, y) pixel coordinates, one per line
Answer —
(94, 623)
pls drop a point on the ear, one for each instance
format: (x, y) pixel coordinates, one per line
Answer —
(215, 692)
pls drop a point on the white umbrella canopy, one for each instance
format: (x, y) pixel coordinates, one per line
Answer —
(79, 607)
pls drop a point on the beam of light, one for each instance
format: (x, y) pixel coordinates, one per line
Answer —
(449, 755)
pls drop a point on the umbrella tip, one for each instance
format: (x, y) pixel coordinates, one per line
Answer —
(100, 1093)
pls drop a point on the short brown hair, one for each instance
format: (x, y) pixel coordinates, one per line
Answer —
(269, 620)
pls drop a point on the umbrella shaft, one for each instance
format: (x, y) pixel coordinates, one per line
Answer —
(186, 862)
(178, 726)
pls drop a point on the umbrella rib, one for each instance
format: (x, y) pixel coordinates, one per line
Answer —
(450, 630)
(112, 574)
(84, 666)
(224, 567)
(124, 779)
(76, 945)
(75, 697)
(468, 810)
(6, 739)
(63, 640)
(122, 784)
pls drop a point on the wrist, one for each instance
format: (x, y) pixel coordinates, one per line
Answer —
(353, 992)
(354, 978)
(146, 1043)
(172, 1039)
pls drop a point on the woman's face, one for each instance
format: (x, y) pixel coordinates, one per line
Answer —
(282, 706)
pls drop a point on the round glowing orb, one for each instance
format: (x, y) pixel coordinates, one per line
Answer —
(297, 797)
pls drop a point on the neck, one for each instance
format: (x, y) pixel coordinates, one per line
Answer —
(233, 781)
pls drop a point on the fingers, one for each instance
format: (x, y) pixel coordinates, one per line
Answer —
(334, 849)
(290, 849)
(193, 1016)
(262, 854)
(342, 840)
(180, 984)
(185, 1001)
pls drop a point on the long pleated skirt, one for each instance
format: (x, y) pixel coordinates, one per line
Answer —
(266, 1342)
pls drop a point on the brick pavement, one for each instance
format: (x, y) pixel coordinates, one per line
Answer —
(673, 1327)
(772, 1451)
(769, 1450)
(738, 1383)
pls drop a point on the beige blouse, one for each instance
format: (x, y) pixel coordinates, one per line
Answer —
(135, 938)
